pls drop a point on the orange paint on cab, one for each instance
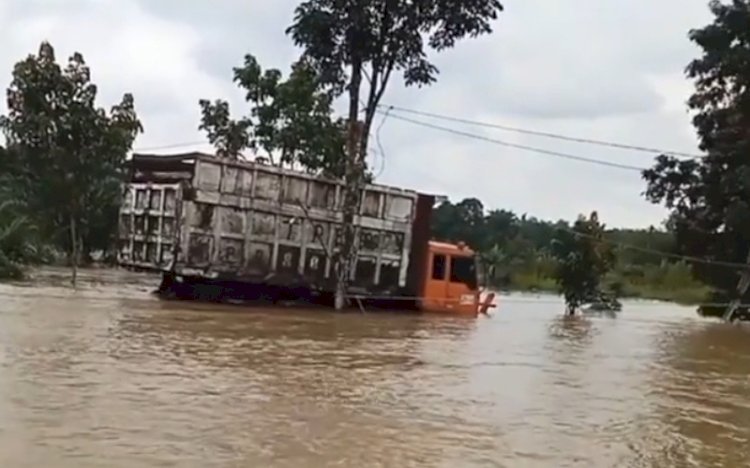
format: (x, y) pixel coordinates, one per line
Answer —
(451, 285)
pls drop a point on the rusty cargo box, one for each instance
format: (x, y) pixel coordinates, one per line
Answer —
(199, 216)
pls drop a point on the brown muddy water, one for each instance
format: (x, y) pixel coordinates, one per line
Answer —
(109, 376)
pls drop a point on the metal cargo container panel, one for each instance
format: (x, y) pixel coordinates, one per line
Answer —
(149, 224)
(260, 223)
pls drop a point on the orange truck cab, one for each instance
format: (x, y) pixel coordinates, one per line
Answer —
(452, 284)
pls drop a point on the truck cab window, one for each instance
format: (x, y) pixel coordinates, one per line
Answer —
(463, 270)
(438, 267)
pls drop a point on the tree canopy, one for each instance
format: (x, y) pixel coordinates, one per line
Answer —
(516, 253)
(18, 238)
(583, 259)
(709, 198)
(346, 42)
(228, 136)
(66, 154)
(290, 120)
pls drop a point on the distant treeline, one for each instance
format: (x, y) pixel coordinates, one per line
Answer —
(516, 255)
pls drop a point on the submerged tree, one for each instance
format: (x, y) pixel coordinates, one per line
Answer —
(709, 198)
(66, 166)
(349, 42)
(583, 259)
(290, 120)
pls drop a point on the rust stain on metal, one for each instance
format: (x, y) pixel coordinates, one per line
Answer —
(264, 225)
(371, 204)
(317, 232)
(208, 177)
(232, 221)
(140, 199)
(290, 229)
(369, 240)
(199, 249)
(231, 253)
(268, 186)
(288, 262)
(168, 227)
(170, 201)
(155, 200)
(259, 260)
(323, 195)
(295, 190)
(231, 181)
(393, 242)
(254, 220)
(204, 216)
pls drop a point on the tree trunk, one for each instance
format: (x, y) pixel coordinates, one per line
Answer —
(74, 250)
(353, 176)
(340, 298)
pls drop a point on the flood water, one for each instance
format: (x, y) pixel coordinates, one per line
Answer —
(109, 376)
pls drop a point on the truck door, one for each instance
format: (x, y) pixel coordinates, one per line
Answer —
(462, 286)
(436, 286)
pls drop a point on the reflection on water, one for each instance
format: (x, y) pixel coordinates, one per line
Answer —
(108, 376)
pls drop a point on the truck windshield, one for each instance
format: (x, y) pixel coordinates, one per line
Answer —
(463, 270)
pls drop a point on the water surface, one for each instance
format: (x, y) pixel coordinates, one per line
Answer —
(108, 376)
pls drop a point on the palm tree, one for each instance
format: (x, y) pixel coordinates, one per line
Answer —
(494, 261)
(16, 240)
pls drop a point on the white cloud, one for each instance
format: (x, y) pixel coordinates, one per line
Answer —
(606, 70)
(128, 50)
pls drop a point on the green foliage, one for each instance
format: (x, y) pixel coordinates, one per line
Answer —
(18, 238)
(583, 259)
(294, 117)
(709, 198)
(666, 281)
(66, 160)
(289, 119)
(229, 136)
(461, 221)
(344, 40)
(515, 252)
(387, 34)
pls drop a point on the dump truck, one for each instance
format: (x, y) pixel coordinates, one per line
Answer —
(217, 228)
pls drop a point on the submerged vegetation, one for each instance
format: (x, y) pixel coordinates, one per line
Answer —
(62, 165)
(517, 253)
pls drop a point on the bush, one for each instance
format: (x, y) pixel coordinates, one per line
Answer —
(17, 241)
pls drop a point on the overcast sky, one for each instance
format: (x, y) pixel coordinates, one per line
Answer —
(604, 69)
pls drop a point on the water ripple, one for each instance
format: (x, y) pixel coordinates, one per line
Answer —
(108, 376)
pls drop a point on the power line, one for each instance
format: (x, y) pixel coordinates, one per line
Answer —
(557, 136)
(611, 144)
(557, 154)
(661, 253)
